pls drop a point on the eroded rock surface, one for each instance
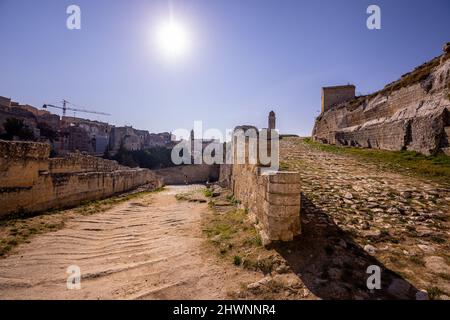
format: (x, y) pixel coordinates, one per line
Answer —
(409, 114)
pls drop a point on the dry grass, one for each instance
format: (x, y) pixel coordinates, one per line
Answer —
(234, 238)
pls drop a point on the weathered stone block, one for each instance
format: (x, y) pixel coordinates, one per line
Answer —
(284, 177)
(283, 199)
(273, 198)
(283, 188)
(281, 210)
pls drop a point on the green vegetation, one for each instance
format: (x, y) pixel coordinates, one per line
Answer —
(235, 238)
(284, 166)
(207, 192)
(153, 158)
(222, 228)
(47, 131)
(232, 199)
(434, 293)
(436, 167)
(16, 128)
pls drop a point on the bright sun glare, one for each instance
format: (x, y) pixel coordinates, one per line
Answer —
(173, 39)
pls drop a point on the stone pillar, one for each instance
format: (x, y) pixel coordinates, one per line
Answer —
(272, 119)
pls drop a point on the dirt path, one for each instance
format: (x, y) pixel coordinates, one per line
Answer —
(146, 248)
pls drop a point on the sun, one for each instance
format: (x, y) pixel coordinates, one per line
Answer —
(173, 39)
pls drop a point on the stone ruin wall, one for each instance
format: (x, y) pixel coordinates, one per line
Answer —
(335, 95)
(31, 181)
(78, 162)
(273, 198)
(195, 173)
(414, 117)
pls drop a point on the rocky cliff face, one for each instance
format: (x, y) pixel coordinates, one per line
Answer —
(412, 113)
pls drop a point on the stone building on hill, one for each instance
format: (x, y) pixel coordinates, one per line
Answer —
(412, 113)
(78, 134)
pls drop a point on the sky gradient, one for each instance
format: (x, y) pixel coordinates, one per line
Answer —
(247, 57)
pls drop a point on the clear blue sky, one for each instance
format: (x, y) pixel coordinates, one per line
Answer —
(247, 58)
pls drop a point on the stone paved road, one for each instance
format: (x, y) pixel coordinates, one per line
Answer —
(400, 221)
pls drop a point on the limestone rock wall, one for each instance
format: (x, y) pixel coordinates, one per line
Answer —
(197, 173)
(77, 162)
(31, 181)
(225, 172)
(409, 114)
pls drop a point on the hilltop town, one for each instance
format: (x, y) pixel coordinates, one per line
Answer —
(69, 134)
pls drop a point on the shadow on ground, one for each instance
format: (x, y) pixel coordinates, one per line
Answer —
(333, 266)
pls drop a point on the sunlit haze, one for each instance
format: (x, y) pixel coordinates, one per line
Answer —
(173, 39)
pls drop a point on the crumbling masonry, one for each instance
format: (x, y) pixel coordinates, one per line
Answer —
(31, 181)
(271, 197)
